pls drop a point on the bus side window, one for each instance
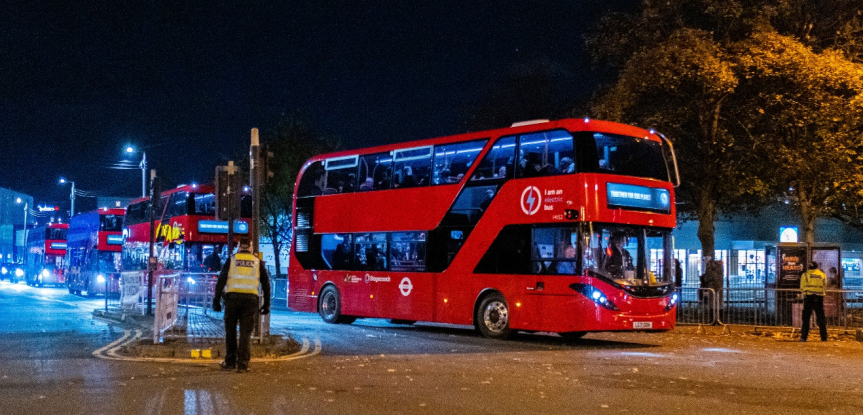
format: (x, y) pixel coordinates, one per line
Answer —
(411, 167)
(336, 251)
(452, 161)
(546, 153)
(374, 171)
(498, 162)
(312, 181)
(510, 253)
(341, 175)
(370, 251)
(408, 252)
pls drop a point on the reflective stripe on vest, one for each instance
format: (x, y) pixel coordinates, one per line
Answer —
(243, 274)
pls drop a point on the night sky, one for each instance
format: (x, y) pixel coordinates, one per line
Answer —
(80, 81)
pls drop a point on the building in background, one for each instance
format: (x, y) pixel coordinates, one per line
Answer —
(12, 209)
(741, 242)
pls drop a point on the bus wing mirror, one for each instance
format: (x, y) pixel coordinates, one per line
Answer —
(677, 180)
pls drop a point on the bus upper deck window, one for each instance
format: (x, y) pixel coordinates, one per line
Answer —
(452, 161)
(545, 153)
(498, 162)
(312, 181)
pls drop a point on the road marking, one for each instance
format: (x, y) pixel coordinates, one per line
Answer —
(112, 352)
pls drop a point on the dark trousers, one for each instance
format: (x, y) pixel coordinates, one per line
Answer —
(239, 308)
(813, 303)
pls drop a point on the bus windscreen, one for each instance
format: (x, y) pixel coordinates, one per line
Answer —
(628, 156)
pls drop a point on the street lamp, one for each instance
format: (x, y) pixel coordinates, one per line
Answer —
(26, 203)
(143, 166)
(71, 196)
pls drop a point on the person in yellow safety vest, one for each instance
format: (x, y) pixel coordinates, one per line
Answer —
(813, 289)
(240, 279)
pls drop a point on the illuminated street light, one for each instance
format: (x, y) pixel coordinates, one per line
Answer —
(143, 166)
(71, 196)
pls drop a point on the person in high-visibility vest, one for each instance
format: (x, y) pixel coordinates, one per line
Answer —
(813, 289)
(240, 279)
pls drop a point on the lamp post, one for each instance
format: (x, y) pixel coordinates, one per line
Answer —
(26, 203)
(143, 166)
(71, 196)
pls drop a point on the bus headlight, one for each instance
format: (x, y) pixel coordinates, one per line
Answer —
(673, 300)
(595, 295)
(190, 280)
(100, 278)
(45, 273)
(19, 272)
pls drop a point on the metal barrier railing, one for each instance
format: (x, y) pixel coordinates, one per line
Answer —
(765, 307)
(184, 307)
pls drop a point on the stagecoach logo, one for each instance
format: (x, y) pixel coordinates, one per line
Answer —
(370, 278)
(405, 286)
(530, 200)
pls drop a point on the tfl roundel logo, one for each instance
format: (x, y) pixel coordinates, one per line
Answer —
(530, 200)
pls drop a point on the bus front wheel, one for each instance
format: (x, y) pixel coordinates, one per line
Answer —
(493, 317)
(330, 307)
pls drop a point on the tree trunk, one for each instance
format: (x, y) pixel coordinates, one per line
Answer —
(706, 212)
(276, 249)
(808, 214)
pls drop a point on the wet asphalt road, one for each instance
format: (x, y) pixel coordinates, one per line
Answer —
(47, 338)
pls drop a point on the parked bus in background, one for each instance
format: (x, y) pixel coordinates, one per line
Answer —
(46, 255)
(560, 226)
(94, 242)
(188, 236)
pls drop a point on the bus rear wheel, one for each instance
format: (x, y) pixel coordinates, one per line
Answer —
(330, 307)
(493, 317)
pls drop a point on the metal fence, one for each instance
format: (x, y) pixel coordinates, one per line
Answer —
(765, 307)
(183, 307)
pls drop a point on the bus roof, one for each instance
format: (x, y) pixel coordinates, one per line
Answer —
(569, 124)
(195, 188)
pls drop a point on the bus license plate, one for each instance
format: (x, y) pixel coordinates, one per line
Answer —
(643, 325)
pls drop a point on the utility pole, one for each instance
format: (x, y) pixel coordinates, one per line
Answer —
(255, 172)
(151, 259)
(72, 198)
(143, 167)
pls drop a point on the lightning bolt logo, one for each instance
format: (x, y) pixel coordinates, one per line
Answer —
(530, 203)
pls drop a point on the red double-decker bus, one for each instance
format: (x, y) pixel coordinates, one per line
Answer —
(187, 233)
(46, 252)
(560, 226)
(93, 245)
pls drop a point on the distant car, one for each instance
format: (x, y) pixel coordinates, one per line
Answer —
(12, 271)
(46, 276)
